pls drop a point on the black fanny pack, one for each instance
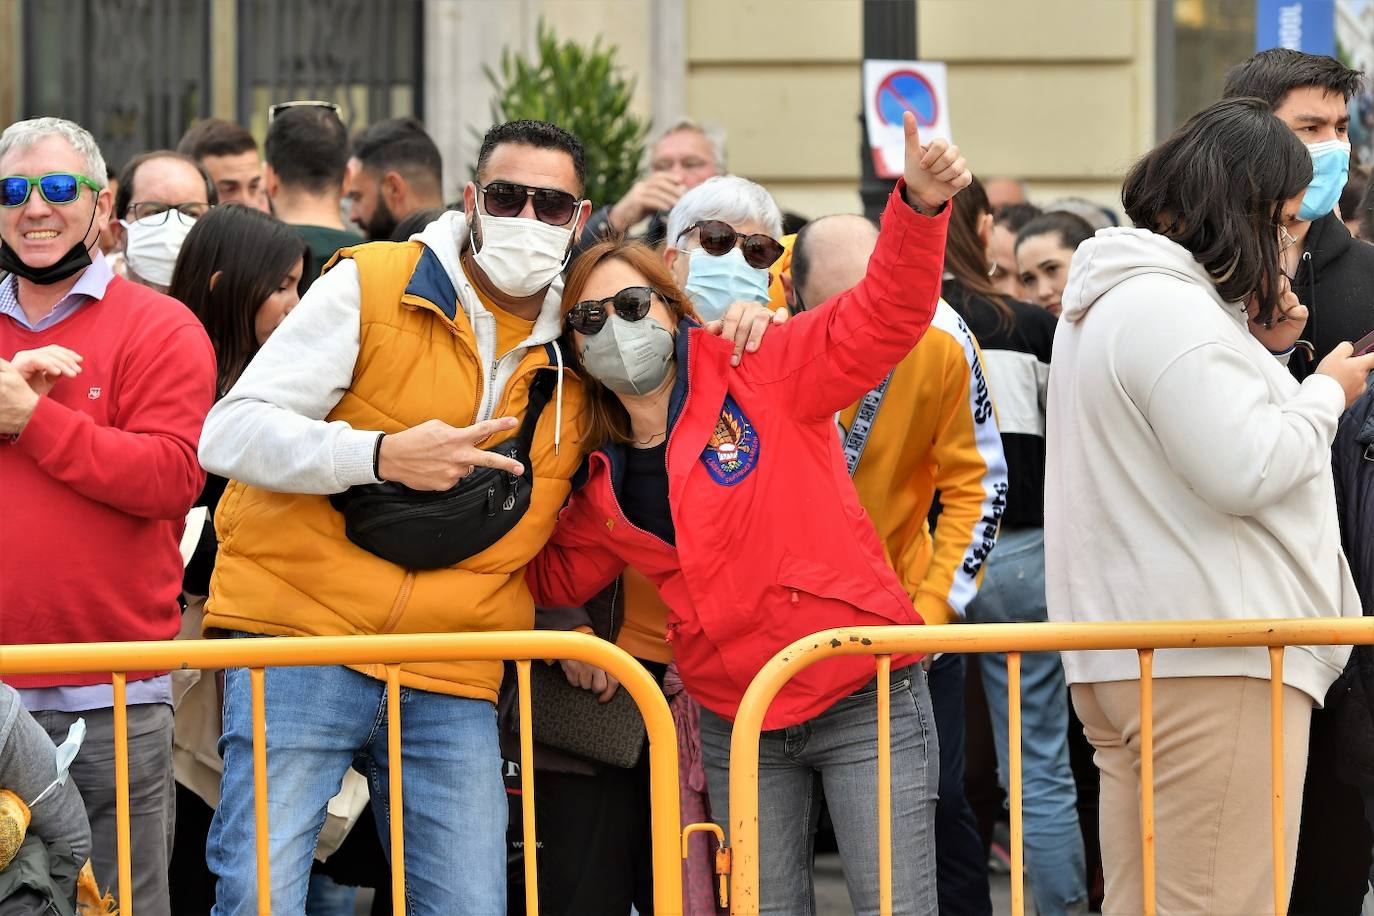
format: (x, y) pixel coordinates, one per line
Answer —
(422, 529)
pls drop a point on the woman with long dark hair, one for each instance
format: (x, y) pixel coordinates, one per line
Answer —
(1016, 338)
(1189, 476)
(233, 272)
(1044, 248)
(237, 271)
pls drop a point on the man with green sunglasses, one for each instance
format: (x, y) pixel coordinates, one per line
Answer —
(56, 188)
(104, 385)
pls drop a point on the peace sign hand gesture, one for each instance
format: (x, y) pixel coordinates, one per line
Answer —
(934, 172)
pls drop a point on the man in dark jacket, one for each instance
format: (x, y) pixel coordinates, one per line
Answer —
(1333, 276)
(1350, 703)
(1332, 273)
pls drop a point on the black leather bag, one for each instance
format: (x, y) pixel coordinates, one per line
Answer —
(573, 720)
(420, 529)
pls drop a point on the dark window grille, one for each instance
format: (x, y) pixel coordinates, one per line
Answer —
(364, 55)
(135, 73)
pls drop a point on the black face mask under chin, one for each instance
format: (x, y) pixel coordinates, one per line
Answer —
(77, 259)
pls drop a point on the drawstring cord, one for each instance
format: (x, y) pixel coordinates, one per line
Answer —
(558, 402)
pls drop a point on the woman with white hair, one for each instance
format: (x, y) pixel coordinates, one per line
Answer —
(722, 238)
(721, 483)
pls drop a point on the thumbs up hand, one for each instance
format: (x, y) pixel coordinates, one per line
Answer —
(934, 172)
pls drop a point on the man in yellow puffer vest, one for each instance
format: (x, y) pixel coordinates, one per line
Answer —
(403, 363)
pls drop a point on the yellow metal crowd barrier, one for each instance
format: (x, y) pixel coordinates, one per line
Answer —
(389, 651)
(1013, 639)
(669, 837)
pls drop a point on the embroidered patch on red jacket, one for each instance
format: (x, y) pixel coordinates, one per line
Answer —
(732, 452)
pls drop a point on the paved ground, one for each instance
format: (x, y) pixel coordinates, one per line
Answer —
(832, 899)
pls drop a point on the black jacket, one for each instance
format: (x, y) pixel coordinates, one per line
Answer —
(1351, 699)
(1335, 280)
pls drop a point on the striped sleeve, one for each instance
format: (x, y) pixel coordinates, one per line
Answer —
(971, 478)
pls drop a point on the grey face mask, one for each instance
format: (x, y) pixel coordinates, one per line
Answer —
(629, 357)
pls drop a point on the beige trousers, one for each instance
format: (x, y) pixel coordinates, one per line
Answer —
(1213, 846)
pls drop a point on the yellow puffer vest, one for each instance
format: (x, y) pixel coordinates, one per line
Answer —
(285, 567)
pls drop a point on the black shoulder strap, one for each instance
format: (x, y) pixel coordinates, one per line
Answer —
(541, 390)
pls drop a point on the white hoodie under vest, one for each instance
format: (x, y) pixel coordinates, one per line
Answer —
(1188, 474)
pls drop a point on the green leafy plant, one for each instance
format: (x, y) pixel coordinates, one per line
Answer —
(582, 90)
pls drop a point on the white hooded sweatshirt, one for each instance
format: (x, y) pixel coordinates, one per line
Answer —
(1188, 474)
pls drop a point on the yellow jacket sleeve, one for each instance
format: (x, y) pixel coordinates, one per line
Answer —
(971, 478)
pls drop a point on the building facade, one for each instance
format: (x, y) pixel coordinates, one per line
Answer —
(1061, 92)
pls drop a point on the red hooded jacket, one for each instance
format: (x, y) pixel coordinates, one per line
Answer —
(771, 541)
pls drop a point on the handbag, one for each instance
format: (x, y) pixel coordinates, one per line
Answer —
(424, 529)
(573, 720)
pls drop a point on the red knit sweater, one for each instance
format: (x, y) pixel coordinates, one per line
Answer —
(94, 494)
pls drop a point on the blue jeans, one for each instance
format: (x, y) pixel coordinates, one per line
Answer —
(326, 898)
(961, 866)
(319, 720)
(1014, 592)
(841, 744)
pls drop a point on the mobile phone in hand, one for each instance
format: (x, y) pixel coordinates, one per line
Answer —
(1364, 345)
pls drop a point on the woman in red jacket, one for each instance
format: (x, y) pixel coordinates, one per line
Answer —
(725, 485)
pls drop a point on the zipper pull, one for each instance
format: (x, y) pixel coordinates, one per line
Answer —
(491, 501)
(796, 597)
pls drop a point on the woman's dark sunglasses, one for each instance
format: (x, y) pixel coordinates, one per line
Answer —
(506, 198)
(56, 188)
(590, 316)
(718, 238)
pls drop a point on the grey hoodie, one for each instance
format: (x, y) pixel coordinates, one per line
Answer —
(269, 431)
(1188, 475)
(28, 766)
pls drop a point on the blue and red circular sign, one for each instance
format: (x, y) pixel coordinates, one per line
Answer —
(907, 90)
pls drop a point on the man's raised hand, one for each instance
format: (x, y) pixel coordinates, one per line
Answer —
(435, 456)
(934, 172)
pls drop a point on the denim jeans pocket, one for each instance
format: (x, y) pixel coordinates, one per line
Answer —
(1013, 588)
(901, 680)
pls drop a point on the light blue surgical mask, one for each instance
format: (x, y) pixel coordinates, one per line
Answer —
(1330, 168)
(715, 283)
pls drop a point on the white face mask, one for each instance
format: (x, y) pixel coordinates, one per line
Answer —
(521, 256)
(151, 249)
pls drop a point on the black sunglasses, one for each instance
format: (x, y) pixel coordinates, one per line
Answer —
(631, 304)
(506, 198)
(719, 238)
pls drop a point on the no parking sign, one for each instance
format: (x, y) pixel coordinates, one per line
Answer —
(892, 87)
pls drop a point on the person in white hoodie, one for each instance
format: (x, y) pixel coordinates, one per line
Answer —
(1188, 477)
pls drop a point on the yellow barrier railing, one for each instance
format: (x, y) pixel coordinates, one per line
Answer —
(1013, 639)
(389, 651)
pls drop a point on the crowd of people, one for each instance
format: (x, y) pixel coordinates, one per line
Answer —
(698, 428)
